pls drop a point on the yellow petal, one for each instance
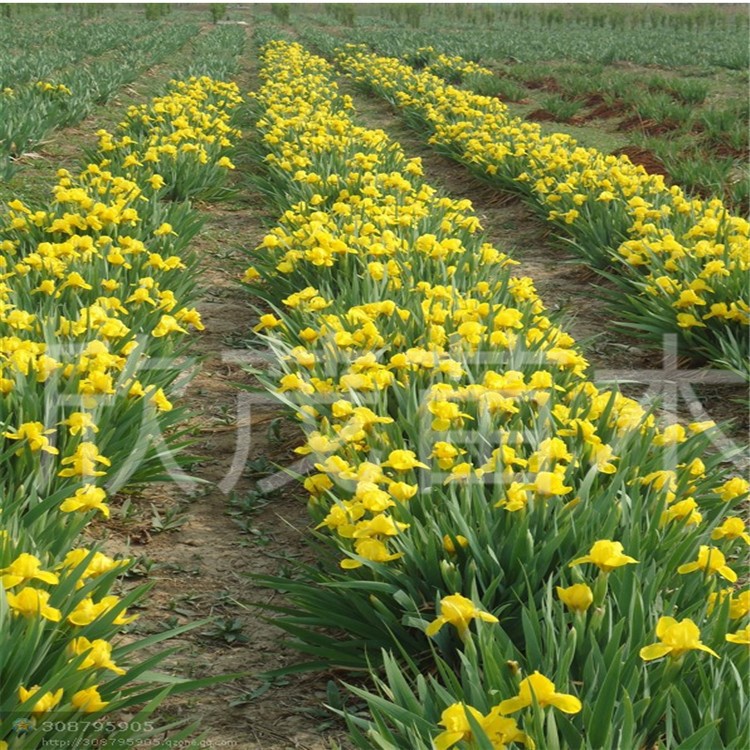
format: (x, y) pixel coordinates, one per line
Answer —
(434, 626)
(726, 572)
(688, 567)
(580, 561)
(46, 577)
(447, 739)
(350, 564)
(663, 625)
(568, 704)
(512, 705)
(70, 505)
(654, 651)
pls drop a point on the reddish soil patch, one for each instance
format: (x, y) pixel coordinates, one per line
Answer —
(724, 149)
(548, 83)
(604, 111)
(649, 127)
(594, 100)
(643, 157)
(541, 115)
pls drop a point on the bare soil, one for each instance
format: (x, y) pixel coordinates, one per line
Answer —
(602, 110)
(649, 127)
(227, 533)
(546, 83)
(204, 567)
(542, 115)
(200, 545)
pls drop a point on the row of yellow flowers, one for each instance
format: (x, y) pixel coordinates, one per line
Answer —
(683, 262)
(497, 518)
(96, 292)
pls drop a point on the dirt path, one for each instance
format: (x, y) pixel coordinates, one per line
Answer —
(223, 531)
(212, 538)
(201, 568)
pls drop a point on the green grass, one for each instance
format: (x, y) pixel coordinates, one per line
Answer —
(35, 174)
(563, 109)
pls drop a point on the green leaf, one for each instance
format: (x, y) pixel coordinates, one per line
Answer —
(600, 725)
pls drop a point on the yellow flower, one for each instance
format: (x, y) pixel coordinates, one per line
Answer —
(31, 602)
(267, 321)
(160, 401)
(677, 638)
(76, 281)
(164, 229)
(516, 498)
(698, 427)
(45, 287)
(732, 528)
(89, 701)
(191, 317)
(549, 483)
(741, 636)
(86, 611)
(86, 498)
(293, 382)
(79, 422)
(317, 484)
(371, 549)
(710, 560)
(450, 547)
(687, 298)
(98, 563)
(225, 162)
(685, 511)
(403, 460)
(461, 473)
(672, 434)
(45, 703)
(606, 555)
(458, 611)
(543, 690)
(167, 324)
(98, 654)
(739, 605)
(578, 597)
(688, 320)
(379, 525)
(402, 491)
(36, 436)
(733, 488)
(498, 729)
(26, 568)
(156, 181)
(83, 462)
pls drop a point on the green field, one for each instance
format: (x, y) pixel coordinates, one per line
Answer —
(374, 376)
